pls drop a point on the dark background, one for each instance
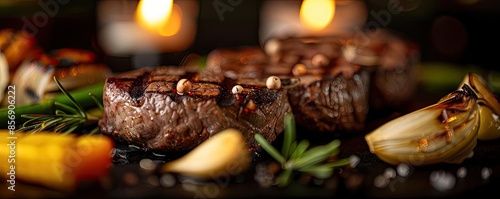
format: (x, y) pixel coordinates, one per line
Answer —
(462, 33)
(470, 37)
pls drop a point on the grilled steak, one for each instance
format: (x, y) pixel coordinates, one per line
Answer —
(325, 100)
(144, 108)
(341, 78)
(329, 83)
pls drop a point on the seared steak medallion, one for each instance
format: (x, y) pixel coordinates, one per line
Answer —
(329, 83)
(341, 78)
(143, 107)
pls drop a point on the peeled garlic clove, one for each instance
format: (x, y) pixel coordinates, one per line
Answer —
(225, 153)
(443, 132)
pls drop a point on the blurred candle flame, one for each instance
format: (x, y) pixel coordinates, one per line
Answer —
(161, 16)
(317, 14)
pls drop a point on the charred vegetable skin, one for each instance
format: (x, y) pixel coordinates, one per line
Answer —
(443, 132)
(145, 108)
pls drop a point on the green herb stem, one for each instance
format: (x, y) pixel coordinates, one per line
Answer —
(317, 154)
(319, 171)
(48, 106)
(269, 148)
(289, 135)
(338, 163)
(81, 110)
(299, 157)
(284, 178)
(301, 148)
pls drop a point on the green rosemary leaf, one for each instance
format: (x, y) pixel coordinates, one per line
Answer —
(338, 163)
(95, 130)
(60, 113)
(269, 148)
(334, 144)
(296, 156)
(72, 125)
(72, 128)
(65, 107)
(316, 154)
(318, 171)
(35, 129)
(334, 152)
(34, 116)
(36, 120)
(73, 101)
(61, 127)
(28, 128)
(293, 146)
(49, 123)
(284, 178)
(289, 135)
(303, 145)
(97, 101)
(323, 149)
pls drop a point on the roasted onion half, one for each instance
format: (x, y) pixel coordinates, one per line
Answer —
(445, 132)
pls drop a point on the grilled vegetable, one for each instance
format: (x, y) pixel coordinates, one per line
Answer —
(4, 75)
(57, 161)
(489, 108)
(34, 79)
(16, 46)
(443, 132)
(225, 153)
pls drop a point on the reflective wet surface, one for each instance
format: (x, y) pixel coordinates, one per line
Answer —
(133, 174)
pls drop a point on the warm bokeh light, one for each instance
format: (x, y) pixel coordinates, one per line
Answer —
(173, 24)
(317, 14)
(163, 17)
(129, 28)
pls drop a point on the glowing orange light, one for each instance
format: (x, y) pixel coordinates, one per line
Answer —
(317, 14)
(161, 16)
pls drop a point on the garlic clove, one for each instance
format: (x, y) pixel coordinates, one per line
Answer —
(225, 153)
(445, 132)
(489, 107)
(490, 124)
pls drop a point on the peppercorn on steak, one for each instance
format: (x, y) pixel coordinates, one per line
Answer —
(170, 108)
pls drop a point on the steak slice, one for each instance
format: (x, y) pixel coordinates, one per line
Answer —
(324, 102)
(341, 78)
(142, 107)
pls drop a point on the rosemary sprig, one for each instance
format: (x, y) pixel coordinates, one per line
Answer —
(65, 119)
(299, 157)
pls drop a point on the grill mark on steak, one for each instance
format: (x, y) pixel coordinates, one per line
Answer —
(168, 121)
(225, 98)
(138, 87)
